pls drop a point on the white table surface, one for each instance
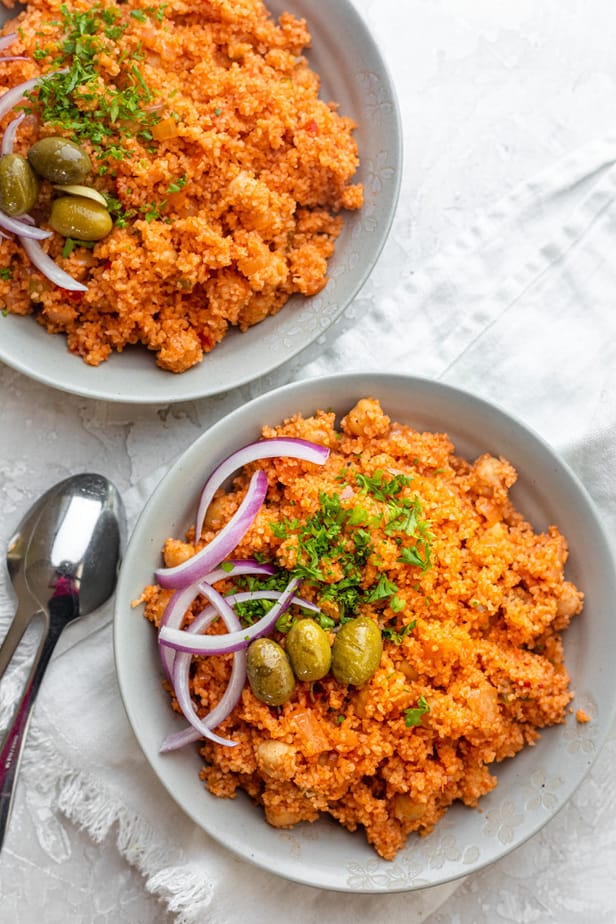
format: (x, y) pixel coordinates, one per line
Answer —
(491, 91)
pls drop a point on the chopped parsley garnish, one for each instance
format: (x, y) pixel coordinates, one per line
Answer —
(413, 715)
(6, 273)
(416, 555)
(380, 487)
(396, 636)
(382, 590)
(177, 185)
(250, 611)
(332, 546)
(74, 97)
(70, 244)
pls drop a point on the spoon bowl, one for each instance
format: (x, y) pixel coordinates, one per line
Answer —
(63, 561)
(75, 543)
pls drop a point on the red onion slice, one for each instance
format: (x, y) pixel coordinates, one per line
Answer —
(182, 599)
(179, 601)
(47, 266)
(7, 40)
(8, 139)
(181, 672)
(15, 95)
(173, 615)
(181, 640)
(236, 567)
(19, 227)
(263, 449)
(181, 677)
(233, 692)
(223, 544)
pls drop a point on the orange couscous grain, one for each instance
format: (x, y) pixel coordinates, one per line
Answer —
(471, 602)
(226, 187)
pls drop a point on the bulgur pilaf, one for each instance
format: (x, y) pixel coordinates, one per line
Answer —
(223, 171)
(471, 603)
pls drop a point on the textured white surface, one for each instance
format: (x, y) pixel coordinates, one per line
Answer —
(491, 93)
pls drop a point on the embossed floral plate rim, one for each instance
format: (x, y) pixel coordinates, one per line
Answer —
(354, 74)
(532, 787)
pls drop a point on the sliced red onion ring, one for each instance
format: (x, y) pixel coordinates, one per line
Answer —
(263, 449)
(4, 58)
(181, 671)
(232, 694)
(47, 266)
(15, 95)
(18, 226)
(182, 599)
(223, 544)
(179, 601)
(7, 40)
(8, 139)
(237, 566)
(181, 640)
(226, 704)
(172, 616)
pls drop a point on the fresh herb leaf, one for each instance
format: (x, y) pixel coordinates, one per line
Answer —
(70, 244)
(397, 635)
(383, 589)
(413, 715)
(379, 486)
(177, 185)
(420, 556)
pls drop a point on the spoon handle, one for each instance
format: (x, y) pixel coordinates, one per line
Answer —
(12, 746)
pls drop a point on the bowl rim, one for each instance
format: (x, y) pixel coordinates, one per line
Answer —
(362, 385)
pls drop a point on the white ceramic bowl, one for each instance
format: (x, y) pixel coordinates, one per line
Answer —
(532, 787)
(353, 73)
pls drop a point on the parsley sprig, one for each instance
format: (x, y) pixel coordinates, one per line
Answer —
(414, 714)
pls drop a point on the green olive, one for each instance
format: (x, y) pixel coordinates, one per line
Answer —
(269, 672)
(80, 218)
(59, 160)
(19, 186)
(309, 650)
(356, 652)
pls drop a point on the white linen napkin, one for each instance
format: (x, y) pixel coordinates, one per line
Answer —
(520, 309)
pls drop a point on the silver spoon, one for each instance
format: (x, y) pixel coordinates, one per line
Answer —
(63, 562)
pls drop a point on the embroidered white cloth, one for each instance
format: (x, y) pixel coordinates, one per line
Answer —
(521, 310)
